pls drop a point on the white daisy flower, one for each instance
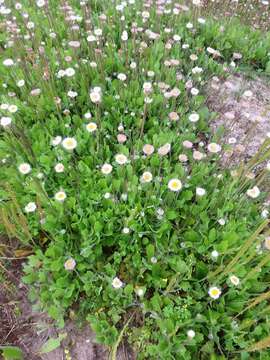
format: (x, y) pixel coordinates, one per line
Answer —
(191, 334)
(69, 72)
(214, 148)
(72, 94)
(91, 127)
(194, 117)
(214, 254)
(214, 292)
(234, 280)
(24, 168)
(139, 291)
(30, 207)
(121, 159)
(222, 222)
(8, 62)
(146, 177)
(95, 97)
(40, 3)
(107, 195)
(5, 121)
(60, 196)
(175, 185)
(56, 141)
(200, 191)
(148, 149)
(12, 108)
(253, 192)
(106, 169)
(69, 143)
(91, 38)
(98, 32)
(124, 36)
(59, 168)
(121, 77)
(117, 283)
(88, 115)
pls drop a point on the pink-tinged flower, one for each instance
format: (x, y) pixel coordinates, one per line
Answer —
(183, 158)
(175, 92)
(173, 116)
(121, 138)
(148, 149)
(197, 155)
(24, 168)
(187, 144)
(70, 264)
(164, 150)
(106, 169)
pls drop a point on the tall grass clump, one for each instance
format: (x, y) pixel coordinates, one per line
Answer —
(111, 176)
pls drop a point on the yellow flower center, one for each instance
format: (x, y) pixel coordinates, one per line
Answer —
(215, 292)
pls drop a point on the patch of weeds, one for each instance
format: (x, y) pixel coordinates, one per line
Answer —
(111, 175)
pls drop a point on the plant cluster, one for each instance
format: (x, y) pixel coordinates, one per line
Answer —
(111, 175)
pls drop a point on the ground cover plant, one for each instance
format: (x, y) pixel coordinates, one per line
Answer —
(111, 177)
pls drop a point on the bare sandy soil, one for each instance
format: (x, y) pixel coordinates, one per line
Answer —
(243, 111)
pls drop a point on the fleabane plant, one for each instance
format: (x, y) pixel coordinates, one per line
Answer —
(111, 174)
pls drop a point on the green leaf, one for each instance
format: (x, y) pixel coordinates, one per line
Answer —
(53, 312)
(150, 251)
(52, 344)
(212, 235)
(128, 289)
(171, 215)
(12, 352)
(267, 69)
